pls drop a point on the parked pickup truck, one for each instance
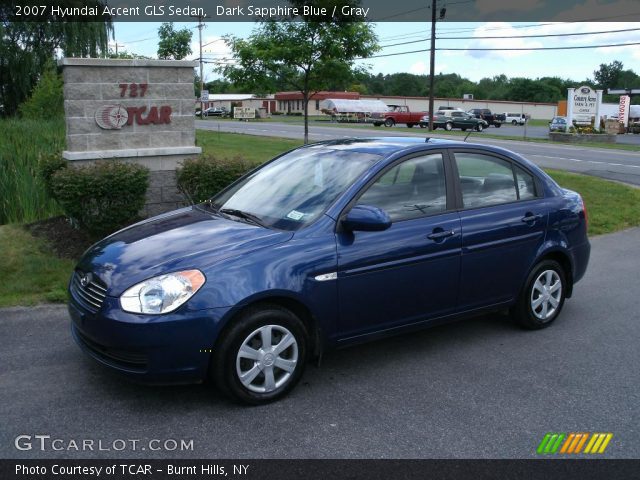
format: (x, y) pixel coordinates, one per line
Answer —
(492, 119)
(396, 114)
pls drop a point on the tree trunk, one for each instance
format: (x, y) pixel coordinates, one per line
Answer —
(305, 96)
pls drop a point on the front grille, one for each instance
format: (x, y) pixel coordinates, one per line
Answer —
(90, 296)
(131, 360)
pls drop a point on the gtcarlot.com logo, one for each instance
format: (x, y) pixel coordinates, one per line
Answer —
(47, 443)
(574, 443)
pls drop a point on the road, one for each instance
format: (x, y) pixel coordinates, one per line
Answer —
(612, 164)
(482, 388)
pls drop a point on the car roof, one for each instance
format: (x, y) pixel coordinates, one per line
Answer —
(387, 146)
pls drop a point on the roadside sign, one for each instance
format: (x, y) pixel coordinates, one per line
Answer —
(244, 112)
(204, 96)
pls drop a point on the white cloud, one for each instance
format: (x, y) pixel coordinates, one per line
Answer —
(502, 30)
(419, 68)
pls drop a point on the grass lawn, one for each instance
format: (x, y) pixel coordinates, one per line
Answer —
(611, 206)
(252, 148)
(31, 273)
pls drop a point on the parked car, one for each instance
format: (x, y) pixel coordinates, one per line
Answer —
(455, 119)
(515, 118)
(216, 112)
(486, 114)
(330, 244)
(558, 124)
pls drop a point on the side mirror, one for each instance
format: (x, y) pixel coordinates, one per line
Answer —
(366, 218)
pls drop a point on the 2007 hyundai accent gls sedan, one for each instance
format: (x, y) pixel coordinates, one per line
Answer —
(329, 244)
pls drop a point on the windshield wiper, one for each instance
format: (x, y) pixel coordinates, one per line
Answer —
(244, 215)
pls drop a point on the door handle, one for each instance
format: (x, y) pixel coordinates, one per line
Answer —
(440, 235)
(530, 217)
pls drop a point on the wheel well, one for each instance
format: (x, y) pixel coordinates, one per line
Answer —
(565, 263)
(298, 309)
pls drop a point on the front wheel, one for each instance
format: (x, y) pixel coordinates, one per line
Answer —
(423, 125)
(497, 125)
(448, 126)
(543, 296)
(409, 125)
(479, 127)
(389, 122)
(514, 122)
(262, 357)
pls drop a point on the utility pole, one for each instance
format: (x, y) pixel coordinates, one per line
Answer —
(200, 25)
(432, 63)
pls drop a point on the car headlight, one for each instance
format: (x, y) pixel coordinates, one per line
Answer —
(162, 294)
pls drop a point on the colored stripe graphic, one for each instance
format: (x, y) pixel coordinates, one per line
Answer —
(550, 443)
(573, 443)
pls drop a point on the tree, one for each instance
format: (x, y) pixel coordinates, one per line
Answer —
(47, 99)
(306, 55)
(174, 44)
(27, 47)
(608, 74)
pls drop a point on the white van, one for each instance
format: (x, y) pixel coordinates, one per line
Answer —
(515, 118)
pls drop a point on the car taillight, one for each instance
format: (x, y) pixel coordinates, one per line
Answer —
(586, 215)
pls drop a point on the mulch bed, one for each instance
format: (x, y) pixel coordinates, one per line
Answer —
(65, 240)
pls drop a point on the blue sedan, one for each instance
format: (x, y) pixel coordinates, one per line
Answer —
(327, 245)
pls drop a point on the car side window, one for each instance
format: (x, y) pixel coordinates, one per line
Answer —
(485, 180)
(526, 184)
(412, 189)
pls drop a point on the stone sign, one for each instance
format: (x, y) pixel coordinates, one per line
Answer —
(585, 104)
(138, 111)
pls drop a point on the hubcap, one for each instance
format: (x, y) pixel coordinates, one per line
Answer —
(267, 358)
(546, 294)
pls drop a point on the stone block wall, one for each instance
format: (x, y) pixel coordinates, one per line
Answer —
(139, 111)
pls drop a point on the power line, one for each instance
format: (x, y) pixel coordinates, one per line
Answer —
(422, 50)
(543, 35)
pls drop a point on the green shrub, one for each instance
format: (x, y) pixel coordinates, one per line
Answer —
(102, 197)
(203, 177)
(47, 100)
(48, 165)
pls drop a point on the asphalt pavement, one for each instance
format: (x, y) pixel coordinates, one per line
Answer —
(481, 388)
(612, 164)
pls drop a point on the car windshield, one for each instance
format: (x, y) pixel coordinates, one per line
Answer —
(295, 189)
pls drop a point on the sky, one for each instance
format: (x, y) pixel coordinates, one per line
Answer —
(578, 64)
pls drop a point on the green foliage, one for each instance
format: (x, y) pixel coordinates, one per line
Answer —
(102, 197)
(48, 165)
(203, 177)
(23, 197)
(304, 55)
(173, 44)
(46, 100)
(27, 47)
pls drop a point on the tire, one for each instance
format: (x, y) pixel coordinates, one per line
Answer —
(497, 125)
(389, 122)
(514, 122)
(479, 127)
(409, 125)
(377, 124)
(272, 373)
(448, 126)
(422, 125)
(530, 311)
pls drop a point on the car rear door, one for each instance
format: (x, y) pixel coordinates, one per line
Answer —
(409, 272)
(503, 219)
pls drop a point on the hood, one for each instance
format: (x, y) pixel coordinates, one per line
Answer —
(180, 240)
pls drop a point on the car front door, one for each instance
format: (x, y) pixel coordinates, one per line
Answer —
(503, 218)
(410, 271)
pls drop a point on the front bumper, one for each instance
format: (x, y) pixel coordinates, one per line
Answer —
(155, 349)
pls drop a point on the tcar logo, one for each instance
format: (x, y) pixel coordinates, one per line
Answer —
(112, 117)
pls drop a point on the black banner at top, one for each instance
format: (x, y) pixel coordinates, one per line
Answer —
(322, 10)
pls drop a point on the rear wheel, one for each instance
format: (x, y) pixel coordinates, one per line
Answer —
(409, 125)
(377, 124)
(423, 125)
(389, 122)
(262, 357)
(514, 122)
(497, 125)
(543, 296)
